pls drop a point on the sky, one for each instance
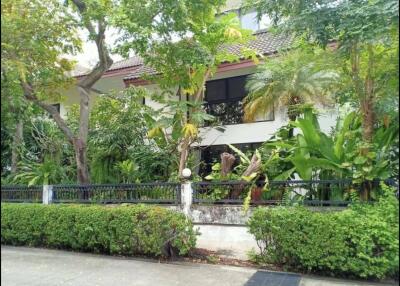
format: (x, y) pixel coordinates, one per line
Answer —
(89, 56)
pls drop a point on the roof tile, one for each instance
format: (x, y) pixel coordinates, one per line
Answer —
(265, 43)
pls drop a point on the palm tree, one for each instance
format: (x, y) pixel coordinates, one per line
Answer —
(290, 81)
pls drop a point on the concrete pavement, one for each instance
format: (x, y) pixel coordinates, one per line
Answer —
(34, 266)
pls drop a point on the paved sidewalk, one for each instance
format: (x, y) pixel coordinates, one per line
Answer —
(34, 266)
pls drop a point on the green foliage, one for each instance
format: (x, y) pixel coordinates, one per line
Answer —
(124, 230)
(291, 80)
(118, 148)
(45, 173)
(45, 156)
(184, 43)
(366, 33)
(36, 35)
(342, 155)
(321, 21)
(362, 241)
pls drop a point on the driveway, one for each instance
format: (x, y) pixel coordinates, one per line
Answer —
(35, 266)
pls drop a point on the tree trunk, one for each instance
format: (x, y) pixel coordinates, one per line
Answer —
(80, 144)
(85, 85)
(227, 161)
(368, 115)
(183, 156)
(81, 162)
(79, 141)
(254, 167)
(292, 117)
(185, 146)
(17, 140)
(367, 103)
(293, 113)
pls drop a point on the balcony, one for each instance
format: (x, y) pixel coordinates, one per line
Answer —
(226, 113)
(232, 112)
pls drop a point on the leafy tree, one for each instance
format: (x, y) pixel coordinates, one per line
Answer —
(290, 80)
(367, 36)
(182, 41)
(118, 148)
(37, 34)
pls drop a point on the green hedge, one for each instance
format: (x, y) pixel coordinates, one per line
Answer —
(123, 230)
(362, 241)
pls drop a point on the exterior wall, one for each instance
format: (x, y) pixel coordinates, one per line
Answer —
(72, 97)
(254, 132)
(106, 84)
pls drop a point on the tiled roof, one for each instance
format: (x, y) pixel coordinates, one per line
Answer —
(127, 63)
(265, 43)
(143, 70)
(131, 62)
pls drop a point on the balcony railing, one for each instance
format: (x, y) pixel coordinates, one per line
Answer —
(232, 112)
(226, 113)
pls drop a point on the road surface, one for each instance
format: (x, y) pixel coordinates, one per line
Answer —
(35, 266)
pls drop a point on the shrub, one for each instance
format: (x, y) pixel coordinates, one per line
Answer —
(123, 230)
(361, 241)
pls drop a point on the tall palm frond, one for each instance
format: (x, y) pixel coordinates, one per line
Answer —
(287, 81)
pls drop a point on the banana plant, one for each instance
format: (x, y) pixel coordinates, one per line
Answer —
(174, 130)
(342, 155)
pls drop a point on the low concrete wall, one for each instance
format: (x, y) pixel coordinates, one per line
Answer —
(229, 214)
(223, 228)
(227, 240)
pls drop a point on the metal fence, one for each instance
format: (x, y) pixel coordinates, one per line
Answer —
(311, 193)
(156, 193)
(21, 194)
(160, 193)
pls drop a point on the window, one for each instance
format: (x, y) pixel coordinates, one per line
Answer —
(212, 154)
(249, 21)
(227, 89)
(216, 90)
(224, 99)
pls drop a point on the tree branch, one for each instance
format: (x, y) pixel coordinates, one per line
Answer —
(105, 60)
(29, 95)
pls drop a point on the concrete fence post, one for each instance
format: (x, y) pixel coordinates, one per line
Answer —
(47, 194)
(186, 197)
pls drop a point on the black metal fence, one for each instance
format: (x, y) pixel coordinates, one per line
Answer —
(311, 193)
(21, 194)
(159, 193)
(156, 193)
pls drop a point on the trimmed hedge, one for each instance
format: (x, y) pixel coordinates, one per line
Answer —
(362, 241)
(123, 230)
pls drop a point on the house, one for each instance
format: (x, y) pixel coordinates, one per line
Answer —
(224, 93)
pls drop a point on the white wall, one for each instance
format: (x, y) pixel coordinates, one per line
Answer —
(259, 131)
(71, 95)
(233, 134)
